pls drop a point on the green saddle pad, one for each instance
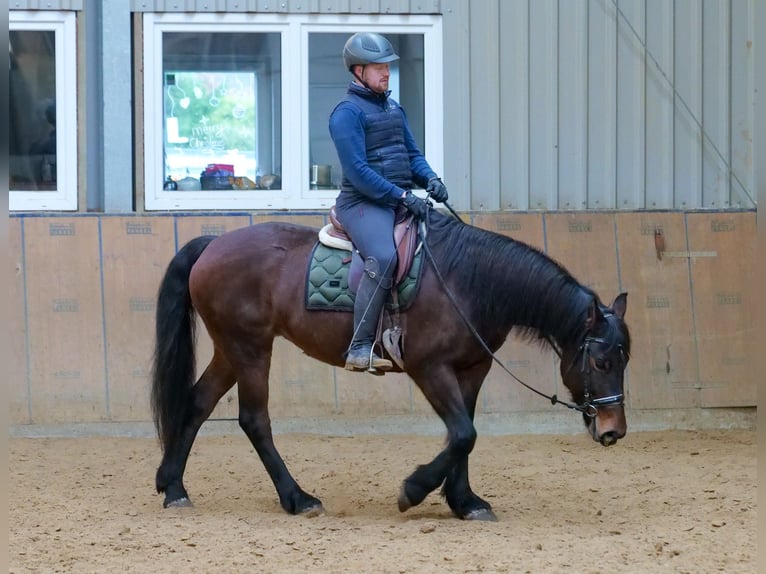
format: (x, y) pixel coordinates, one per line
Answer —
(327, 281)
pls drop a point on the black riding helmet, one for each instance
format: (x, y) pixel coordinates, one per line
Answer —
(367, 48)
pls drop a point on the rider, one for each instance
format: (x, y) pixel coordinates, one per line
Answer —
(381, 162)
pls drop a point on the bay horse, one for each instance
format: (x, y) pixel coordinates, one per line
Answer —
(248, 287)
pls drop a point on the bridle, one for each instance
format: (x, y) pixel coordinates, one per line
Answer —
(589, 406)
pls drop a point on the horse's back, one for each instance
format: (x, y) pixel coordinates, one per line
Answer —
(252, 260)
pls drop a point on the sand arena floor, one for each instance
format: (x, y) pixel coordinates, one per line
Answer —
(672, 501)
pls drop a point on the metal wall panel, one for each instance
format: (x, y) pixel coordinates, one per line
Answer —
(573, 104)
(485, 106)
(742, 182)
(290, 6)
(715, 102)
(631, 115)
(687, 171)
(514, 105)
(45, 4)
(655, 72)
(659, 106)
(602, 106)
(457, 101)
(543, 104)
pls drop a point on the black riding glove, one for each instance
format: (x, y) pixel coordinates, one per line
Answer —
(437, 189)
(415, 205)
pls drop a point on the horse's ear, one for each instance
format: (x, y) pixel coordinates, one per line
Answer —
(620, 305)
(594, 315)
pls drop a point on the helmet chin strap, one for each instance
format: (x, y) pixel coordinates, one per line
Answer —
(360, 78)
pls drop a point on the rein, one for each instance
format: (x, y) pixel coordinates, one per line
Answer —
(589, 405)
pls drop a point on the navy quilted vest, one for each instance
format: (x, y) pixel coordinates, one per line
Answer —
(384, 136)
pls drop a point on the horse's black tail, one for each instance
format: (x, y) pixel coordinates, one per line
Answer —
(174, 363)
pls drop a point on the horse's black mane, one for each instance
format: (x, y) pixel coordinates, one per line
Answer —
(509, 283)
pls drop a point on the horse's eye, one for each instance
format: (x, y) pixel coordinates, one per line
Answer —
(602, 365)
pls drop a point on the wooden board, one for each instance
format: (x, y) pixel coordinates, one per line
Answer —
(135, 254)
(187, 228)
(307, 220)
(724, 295)
(662, 372)
(361, 394)
(536, 367)
(299, 385)
(586, 244)
(18, 380)
(65, 320)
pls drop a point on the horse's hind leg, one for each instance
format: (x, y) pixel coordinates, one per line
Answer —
(255, 422)
(211, 386)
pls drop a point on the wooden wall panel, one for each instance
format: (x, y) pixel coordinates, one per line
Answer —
(300, 386)
(65, 321)
(187, 228)
(18, 381)
(534, 366)
(135, 254)
(724, 290)
(585, 243)
(310, 220)
(361, 394)
(663, 369)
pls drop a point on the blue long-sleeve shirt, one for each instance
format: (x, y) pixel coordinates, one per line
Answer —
(378, 153)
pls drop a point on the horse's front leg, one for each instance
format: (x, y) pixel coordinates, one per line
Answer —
(212, 385)
(441, 389)
(457, 489)
(255, 422)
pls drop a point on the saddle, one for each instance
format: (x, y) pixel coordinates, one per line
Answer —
(406, 240)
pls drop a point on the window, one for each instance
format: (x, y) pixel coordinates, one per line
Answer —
(236, 106)
(43, 111)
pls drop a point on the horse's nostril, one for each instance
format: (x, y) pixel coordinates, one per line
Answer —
(608, 438)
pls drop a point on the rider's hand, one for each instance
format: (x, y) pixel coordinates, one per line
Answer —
(437, 189)
(417, 206)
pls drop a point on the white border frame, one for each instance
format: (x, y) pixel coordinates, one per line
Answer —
(294, 28)
(64, 24)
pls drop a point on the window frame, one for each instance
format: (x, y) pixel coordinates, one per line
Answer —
(294, 29)
(64, 26)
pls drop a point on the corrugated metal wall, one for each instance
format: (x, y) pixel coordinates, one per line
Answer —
(602, 104)
(294, 6)
(577, 104)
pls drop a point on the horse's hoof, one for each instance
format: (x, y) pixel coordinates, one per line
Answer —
(404, 502)
(483, 514)
(179, 503)
(313, 511)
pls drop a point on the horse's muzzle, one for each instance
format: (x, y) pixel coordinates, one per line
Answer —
(608, 425)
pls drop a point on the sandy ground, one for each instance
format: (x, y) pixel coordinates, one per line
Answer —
(674, 501)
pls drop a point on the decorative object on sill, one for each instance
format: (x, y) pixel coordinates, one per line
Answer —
(271, 181)
(242, 183)
(321, 175)
(170, 185)
(189, 184)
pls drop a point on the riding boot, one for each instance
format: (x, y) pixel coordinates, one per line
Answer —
(370, 298)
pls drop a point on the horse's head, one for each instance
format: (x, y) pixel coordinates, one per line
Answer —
(593, 370)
